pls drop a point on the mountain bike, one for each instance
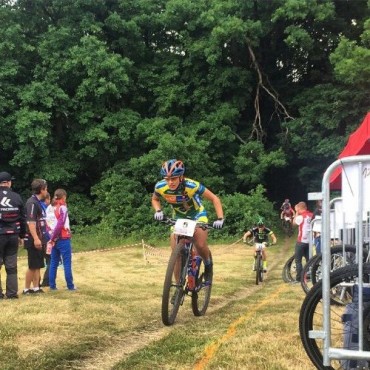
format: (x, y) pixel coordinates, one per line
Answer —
(185, 274)
(258, 262)
(287, 225)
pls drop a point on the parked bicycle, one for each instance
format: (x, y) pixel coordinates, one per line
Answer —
(311, 317)
(185, 273)
(340, 256)
(289, 272)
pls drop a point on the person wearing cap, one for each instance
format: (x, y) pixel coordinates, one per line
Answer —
(12, 233)
(36, 239)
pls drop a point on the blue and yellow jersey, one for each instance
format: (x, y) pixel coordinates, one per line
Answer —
(186, 200)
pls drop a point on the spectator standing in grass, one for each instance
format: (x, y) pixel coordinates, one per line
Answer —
(35, 241)
(12, 232)
(60, 241)
(317, 233)
(303, 219)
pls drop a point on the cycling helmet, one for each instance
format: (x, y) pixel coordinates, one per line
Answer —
(172, 168)
(260, 221)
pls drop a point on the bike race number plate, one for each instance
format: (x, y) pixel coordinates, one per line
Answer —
(185, 227)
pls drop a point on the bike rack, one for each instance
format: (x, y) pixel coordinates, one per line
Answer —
(329, 352)
(333, 225)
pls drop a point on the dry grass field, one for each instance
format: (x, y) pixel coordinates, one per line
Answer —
(113, 320)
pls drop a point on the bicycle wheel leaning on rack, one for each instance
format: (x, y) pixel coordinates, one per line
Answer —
(337, 260)
(289, 270)
(311, 314)
(306, 280)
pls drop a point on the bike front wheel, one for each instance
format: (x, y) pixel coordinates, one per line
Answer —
(288, 229)
(174, 287)
(259, 269)
(201, 296)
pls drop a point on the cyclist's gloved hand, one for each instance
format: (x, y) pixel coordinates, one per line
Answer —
(219, 223)
(159, 216)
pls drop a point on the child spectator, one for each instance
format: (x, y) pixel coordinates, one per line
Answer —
(60, 241)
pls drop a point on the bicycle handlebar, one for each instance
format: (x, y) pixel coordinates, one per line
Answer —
(253, 243)
(172, 221)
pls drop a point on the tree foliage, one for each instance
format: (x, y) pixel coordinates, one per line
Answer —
(95, 94)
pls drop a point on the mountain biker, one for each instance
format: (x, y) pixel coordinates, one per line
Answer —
(287, 211)
(286, 205)
(185, 196)
(261, 234)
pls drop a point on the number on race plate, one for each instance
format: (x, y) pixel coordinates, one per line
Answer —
(185, 227)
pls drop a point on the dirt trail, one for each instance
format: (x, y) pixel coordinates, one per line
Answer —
(122, 347)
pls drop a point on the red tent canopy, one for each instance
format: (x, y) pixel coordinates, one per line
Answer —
(358, 143)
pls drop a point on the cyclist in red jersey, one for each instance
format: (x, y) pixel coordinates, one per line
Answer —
(287, 212)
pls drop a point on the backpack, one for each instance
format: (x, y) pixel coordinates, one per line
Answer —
(351, 325)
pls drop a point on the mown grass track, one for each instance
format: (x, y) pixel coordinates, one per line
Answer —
(113, 320)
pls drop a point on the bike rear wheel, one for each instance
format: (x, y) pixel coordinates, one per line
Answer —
(174, 291)
(201, 296)
(259, 269)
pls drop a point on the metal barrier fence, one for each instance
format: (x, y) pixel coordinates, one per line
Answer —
(354, 230)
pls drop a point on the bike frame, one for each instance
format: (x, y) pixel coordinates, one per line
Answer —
(192, 263)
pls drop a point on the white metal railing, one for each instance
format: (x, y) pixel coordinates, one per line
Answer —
(361, 235)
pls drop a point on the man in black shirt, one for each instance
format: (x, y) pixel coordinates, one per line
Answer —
(12, 232)
(36, 239)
